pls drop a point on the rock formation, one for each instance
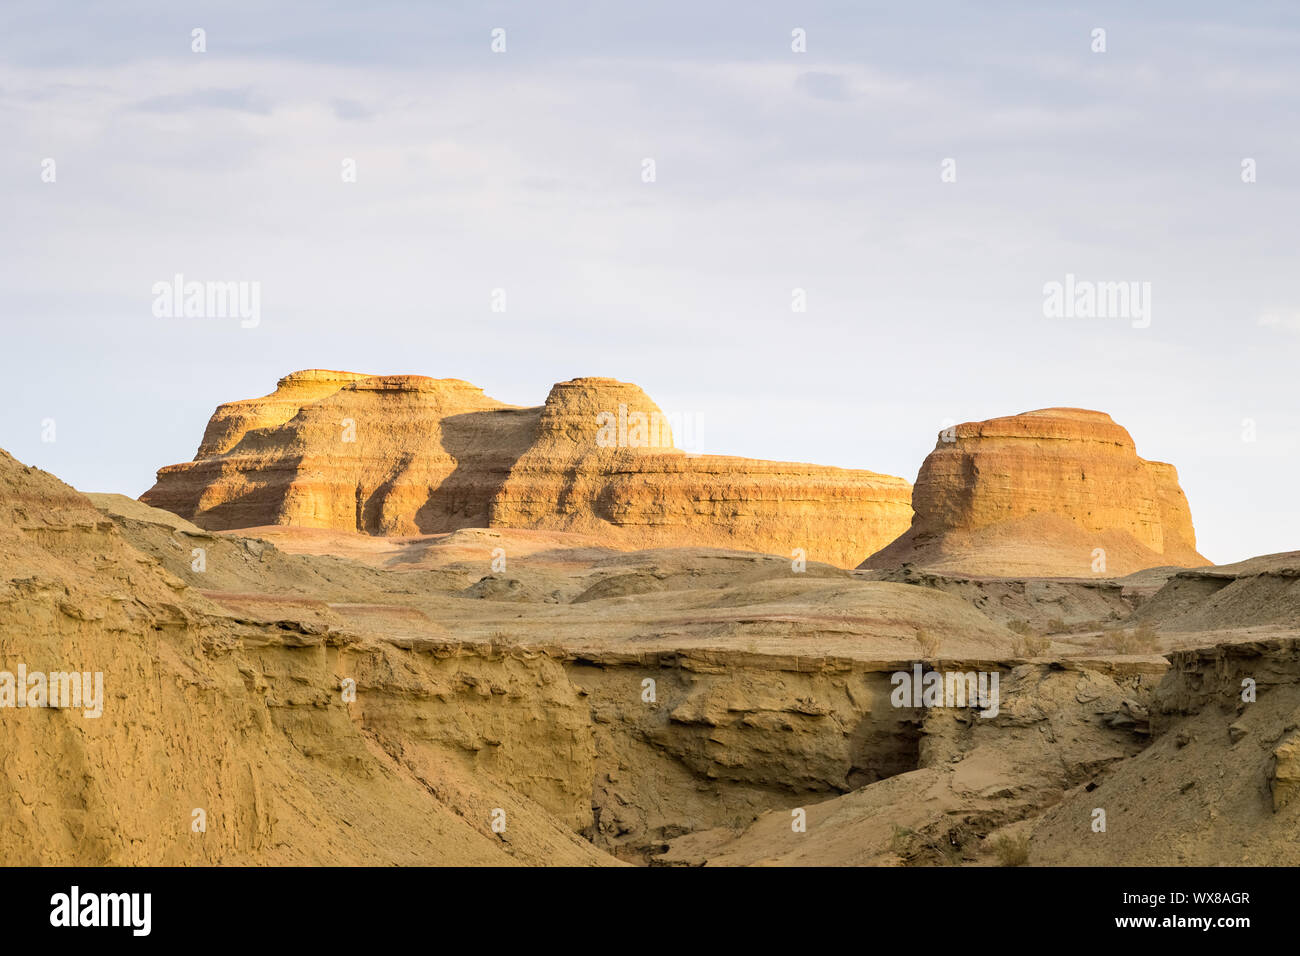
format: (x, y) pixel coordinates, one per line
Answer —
(386, 709)
(1059, 491)
(202, 710)
(407, 455)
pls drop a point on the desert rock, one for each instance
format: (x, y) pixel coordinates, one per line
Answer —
(1059, 491)
(407, 455)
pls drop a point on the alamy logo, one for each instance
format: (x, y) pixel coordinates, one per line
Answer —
(103, 909)
(1084, 299)
(59, 689)
(633, 429)
(946, 689)
(179, 299)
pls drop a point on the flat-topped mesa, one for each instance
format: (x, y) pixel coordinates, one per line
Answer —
(603, 463)
(405, 455)
(231, 421)
(1058, 491)
(345, 451)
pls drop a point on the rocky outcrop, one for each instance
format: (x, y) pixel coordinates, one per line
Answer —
(1216, 786)
(395, 454)
(682, 707)
(1262, 593)
(588, 472)
(407, 455)
(1059, 491)
(206, 732)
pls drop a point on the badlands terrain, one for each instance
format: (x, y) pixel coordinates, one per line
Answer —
(390, 620)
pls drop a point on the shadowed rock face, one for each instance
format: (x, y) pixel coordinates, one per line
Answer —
(362, 453)
(1039, 493)
(406, 455)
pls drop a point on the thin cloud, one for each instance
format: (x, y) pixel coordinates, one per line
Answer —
(823, 86)
(351, 110)
(240, 101)
(1288, 319)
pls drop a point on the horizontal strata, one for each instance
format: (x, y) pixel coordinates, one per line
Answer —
(406, 454)
(1048, 492)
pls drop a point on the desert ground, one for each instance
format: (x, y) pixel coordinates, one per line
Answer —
(544, 651)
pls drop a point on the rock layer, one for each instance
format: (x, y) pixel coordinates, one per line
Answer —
(407, 455)
(226, 694)
(1058, 491)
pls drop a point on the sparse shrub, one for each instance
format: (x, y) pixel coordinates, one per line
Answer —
(900, 844)
(949, 852)
(950, 844)
(929, 643)
(1056, 626)
(920, 848)
(1020, 627)
(1030, 645)
(1146, 637)
(1116, 642)
(1138, 640)
(1012, 851)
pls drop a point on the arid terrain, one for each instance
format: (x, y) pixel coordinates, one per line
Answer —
(388, 620)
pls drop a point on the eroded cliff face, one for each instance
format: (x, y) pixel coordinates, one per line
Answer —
(1217, 786)
(1039, 494)
(653, 495)
(406, 455)
(232, 707)
(282, 727)
(227, 734)
(217, 715)
(397, 454)
(590, 707)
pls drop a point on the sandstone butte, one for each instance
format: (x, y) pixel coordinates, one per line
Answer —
(1058, 491)
(404, 455)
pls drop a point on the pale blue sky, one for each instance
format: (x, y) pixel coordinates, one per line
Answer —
(775, 170)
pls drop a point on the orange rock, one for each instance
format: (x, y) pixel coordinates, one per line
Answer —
(1058, 491)
(404, 455)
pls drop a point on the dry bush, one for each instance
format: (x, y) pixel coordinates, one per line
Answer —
(929, 643)
(1056, 626)
(901, 842)
(1030, 645)
(935, 846)
(1012, 851)
(1138, 640)
(1020, 627)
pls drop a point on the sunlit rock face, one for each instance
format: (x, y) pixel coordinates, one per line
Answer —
(1059, 491)
(406, 455)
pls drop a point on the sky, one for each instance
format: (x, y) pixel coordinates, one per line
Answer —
(921, 173)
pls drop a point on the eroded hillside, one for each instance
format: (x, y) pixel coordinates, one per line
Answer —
(535, 696)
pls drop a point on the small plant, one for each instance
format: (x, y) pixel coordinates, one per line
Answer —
(937, 846)
(1138, 640)
(1012, 851)
(929, 643)
(949, 844)
(1030, 645)
(1020, 627)
(900, 844)
(1056, 626)
(1146, 637)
